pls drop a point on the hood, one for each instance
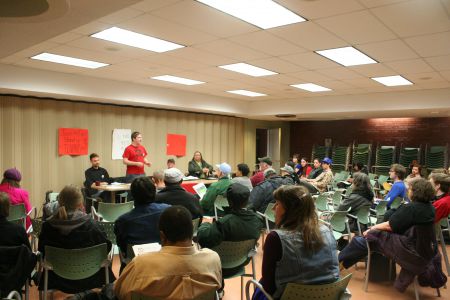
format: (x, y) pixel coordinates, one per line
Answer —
(74, 220)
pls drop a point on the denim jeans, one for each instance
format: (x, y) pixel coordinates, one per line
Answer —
(353, 252)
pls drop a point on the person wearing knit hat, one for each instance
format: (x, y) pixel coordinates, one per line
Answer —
(11, 185)
(175, 194)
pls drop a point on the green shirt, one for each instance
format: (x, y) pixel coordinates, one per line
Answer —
(215, 189)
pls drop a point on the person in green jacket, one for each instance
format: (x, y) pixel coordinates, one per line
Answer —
(198, 167)
(238, 224)
(217, 188)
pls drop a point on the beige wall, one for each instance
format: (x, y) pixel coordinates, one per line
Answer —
(28, 134)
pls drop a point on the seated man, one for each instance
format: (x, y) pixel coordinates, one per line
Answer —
(178, 271)
(242, 176)
(441, 184)
(217, 188)
(96, 175)
(397, 173)
(174, 194)
(170, 163)
(158, 179)
(140, 225)
(264, 164)
(325, 178)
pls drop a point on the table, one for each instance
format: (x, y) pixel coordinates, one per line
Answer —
(113, 188)
(188, 185)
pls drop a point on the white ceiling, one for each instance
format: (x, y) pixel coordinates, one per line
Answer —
(408, 38)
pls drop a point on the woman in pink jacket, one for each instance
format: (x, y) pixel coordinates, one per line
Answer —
(11, 185)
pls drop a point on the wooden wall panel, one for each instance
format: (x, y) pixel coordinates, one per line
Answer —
(29, 138)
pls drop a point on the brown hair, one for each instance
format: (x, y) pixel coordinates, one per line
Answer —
(4, 205)
(134, 135)
(300, 214)
(70, 199)
(11, 182)
(399, 170)
(443, 180)
(422, 190)
(93, 155)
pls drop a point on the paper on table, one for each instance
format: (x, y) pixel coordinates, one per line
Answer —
(200, 189)
(190, 178)
(146, 248)
(116, 183)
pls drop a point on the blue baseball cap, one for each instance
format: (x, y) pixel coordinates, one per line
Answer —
(327, 160)
(224, 168)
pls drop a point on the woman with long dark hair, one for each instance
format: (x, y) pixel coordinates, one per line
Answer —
(198, 167)
(298, 234)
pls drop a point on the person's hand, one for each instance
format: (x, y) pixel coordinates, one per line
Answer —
(205, 170)
(148, 164)
(139, 164)
(365, 232)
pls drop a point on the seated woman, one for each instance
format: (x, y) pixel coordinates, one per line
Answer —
(12, 234)
(300, 249)
(11, 185)
(198, 167)
(361, 196)
(304, 169)
(72, 228)
(388, 238)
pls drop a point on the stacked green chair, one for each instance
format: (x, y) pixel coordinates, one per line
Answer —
(362, 153)
(340, 157)
(384, 158)
(436, 157)
(319, 152)
(408, 155)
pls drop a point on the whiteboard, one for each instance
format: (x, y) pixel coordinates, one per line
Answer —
(121, 138)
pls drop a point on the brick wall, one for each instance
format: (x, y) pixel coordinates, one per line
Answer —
(412, 132)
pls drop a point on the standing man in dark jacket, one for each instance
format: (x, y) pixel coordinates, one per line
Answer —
(174, 194)
(262, 194)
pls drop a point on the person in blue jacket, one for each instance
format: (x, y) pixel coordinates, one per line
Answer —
(397, 173)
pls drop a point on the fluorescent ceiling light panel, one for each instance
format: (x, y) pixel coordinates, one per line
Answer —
(311, 87)
(246, 93)
(179, 80)
(347, 56)
(393, 80)
(134, 39)
(262, 13)
(67, 60)
(248, 69)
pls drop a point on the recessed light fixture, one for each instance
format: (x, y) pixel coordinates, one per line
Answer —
(262, 13)
(347, 56)
(67, 60)
(395, 80)
(311, 87)
(134, 39)
(179, 80)
(246, 93)
(248, 69)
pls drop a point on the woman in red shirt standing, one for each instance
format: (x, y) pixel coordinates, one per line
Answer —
(11, 185)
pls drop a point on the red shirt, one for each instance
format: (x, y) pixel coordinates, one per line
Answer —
(136, 154)
(442, 208)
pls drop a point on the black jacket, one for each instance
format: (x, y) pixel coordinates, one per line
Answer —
(176, 195)
(262, 194)
(12, 234)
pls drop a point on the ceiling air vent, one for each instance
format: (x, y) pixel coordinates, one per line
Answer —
(285, 116)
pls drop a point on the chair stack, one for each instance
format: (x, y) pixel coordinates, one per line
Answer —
(408, 155)
(362, 153)
(436, 157)
(384, 158)
(340, 157)
(319, 152)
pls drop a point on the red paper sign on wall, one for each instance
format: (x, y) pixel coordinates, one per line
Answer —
(73, 141)
(176, 144)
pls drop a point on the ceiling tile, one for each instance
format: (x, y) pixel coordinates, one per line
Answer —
(340, 73)
(398, 50)
(439, 63)
(361, 82)
(368, 28)
(308, 35)
(445, 74)
(231, 50)
(36, 49)
(431, 45)
(310, 61)
(110, 58)
(204, 57)
(91, 28)
(336, 85)
(376, 3)
(277, 65)
(282, 79)
(309, 76)
(414, 17)
(204, 19)
(163, 29)
(116, 72)
(267, 43)
(149, 5)
(165, 59)
(319, 9)
(410, 66)
(121, 16)
(424, 78)
(65, 37)
(44, 65)
(373, 70)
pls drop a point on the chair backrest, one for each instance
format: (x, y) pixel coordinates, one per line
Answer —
(37, 226)
(52, 197)
(112, 211)
(338, 221)
(206, 296)
(382, 179)
(269, 213)
(16, 212)
(221, 202)
(195, 224)
(75, 264)
(329, 291)
(336, 198)
(381, 208)
(13, 295)
(397, 202)
(321, 202)
(234, 254)
(108, 228)
(363, 215)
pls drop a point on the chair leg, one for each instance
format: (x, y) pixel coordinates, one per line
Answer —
(438, 292)
(242, 287)
(27, 289)
(45, 283)
(416, 288)
(444, 252)
(366, 279)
